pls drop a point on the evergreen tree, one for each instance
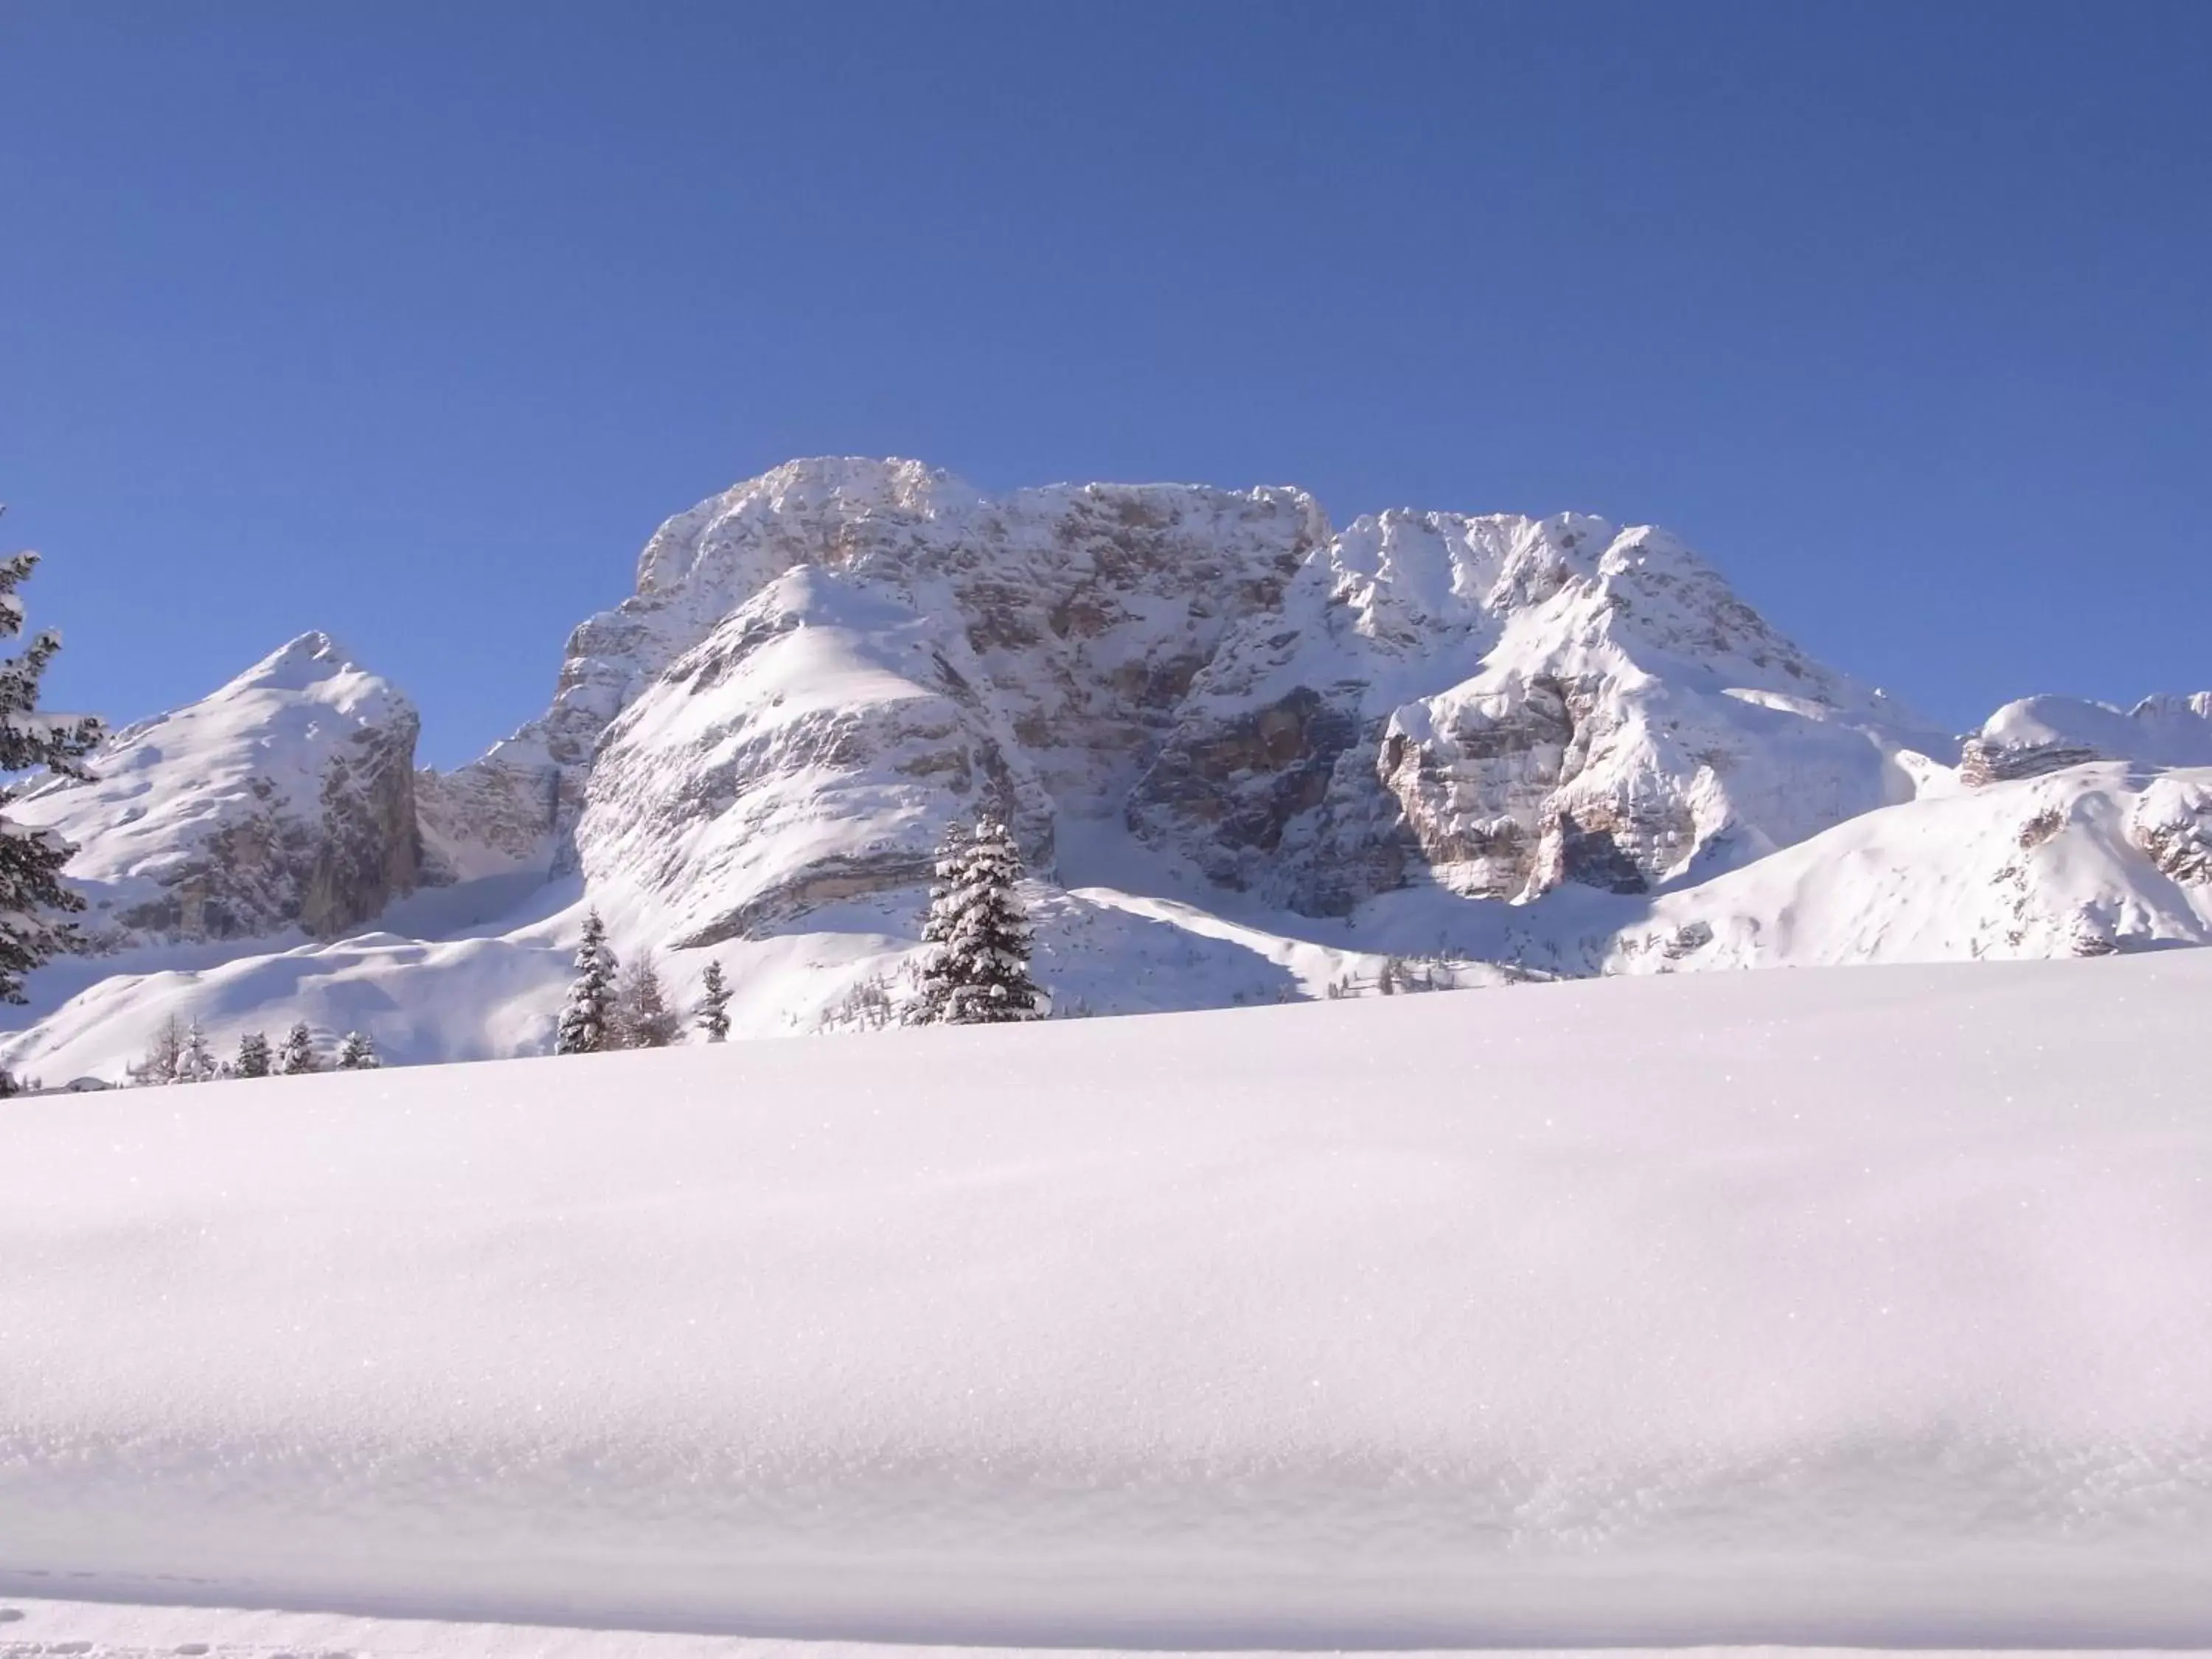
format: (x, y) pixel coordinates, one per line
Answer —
(253, 1056)
(298, 1057)
(357, 1052)
(712, 1014)
(977, 972)
(952, 872)
(32, 897)
(195, 1060)
(643, 1018)
(588, 1019)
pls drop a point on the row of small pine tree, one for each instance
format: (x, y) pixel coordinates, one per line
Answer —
(975, 972)
(614, 1006)
(180, 1052)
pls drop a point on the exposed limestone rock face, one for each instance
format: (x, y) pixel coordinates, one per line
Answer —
(1512, 704)
(494, 817)
(2037, 736)
(367, 852)
(2171, 821)
(1983, 762)
(286, 799)
(812, 749)
(1071, 620)
(1499, 705)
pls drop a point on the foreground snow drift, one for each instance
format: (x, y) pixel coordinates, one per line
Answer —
(39, 1628)
(1859, 1306)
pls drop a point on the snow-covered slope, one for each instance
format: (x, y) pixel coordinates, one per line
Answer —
(1858, 1306)
(2082, 862)
(282, 801)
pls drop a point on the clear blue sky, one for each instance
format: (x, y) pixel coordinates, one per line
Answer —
(410, 321)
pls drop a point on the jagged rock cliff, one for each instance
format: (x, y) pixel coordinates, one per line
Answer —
(1047, 637)
(2171, 821)
(1500, 704)
(285, 800)
(1505, 704)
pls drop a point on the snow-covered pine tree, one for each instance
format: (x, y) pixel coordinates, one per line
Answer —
(642, 1016)
(298, 1057)
(927, 1007)
(978, 969)
(357, 1053)
(195, 1060)
(712, 1016)
(253, 1056)
(32, 897)
(587, 1019)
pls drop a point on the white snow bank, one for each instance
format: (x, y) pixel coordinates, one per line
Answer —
(1824, 1306)
(105, 1629)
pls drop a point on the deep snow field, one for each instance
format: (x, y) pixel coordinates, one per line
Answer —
(1861, 1306)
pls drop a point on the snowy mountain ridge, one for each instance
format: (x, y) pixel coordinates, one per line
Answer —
(1249, 757)
(281, 802)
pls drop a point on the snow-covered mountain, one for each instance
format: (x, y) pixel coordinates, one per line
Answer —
(280, 804)
(1250, 758)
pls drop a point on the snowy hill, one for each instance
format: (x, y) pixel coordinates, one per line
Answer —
(1250, 758)
(1823, 1307)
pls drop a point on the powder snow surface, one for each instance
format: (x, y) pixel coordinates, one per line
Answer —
(1864, 1305)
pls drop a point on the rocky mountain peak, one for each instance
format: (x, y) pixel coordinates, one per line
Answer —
(284, 798)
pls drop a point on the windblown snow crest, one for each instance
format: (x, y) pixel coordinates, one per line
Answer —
(1248, 758)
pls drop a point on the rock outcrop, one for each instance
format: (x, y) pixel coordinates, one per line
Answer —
(284, 800)
(811, 750)
(2039, 735)
(2172, 822)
